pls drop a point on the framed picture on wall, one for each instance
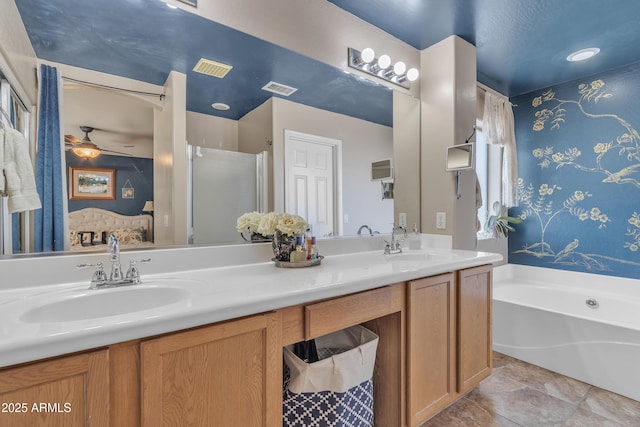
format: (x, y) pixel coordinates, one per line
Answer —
(92, 183)
(128, 193)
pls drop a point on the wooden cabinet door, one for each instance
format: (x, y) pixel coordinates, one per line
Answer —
(474, 326)
(70, 391)
(431, 346)
(227, 374)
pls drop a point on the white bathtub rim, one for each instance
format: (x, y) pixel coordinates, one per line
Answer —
(585, 281)
(589, 286)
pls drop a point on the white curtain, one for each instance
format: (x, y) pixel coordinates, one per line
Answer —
(498, 129)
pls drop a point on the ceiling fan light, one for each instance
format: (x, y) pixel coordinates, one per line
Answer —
(86, 151)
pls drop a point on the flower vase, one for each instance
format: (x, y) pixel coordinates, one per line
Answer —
(257, 238)
(283, 245)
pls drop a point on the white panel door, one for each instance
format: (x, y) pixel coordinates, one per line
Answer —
(309, 180)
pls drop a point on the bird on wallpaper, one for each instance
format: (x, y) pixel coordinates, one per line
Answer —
(619, 177)
(567, 249)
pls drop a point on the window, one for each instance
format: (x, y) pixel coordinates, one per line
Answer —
(13, 239)
(489, 172)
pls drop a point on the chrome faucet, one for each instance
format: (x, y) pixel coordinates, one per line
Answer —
(100, 280)
(367, 227)
(114, 256)
(393, 247)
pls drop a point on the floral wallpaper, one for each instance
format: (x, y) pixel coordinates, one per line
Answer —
(579, 168)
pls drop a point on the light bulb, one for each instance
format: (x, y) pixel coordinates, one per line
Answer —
(412, 74)
(367, 55)
(399, 68)
(384, 62)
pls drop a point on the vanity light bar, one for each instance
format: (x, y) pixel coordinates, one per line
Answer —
(366, 61)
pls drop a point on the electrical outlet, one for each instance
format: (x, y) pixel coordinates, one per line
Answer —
(345, 218)
(441, 220)
(402, 219)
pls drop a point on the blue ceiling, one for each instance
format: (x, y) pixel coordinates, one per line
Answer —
(145, 40)
(521, 46)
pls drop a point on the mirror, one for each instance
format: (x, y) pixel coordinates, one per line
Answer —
(356, 161)
(460, 157)
(382, 170)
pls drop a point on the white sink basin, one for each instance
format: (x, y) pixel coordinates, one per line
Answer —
(93, 304)
(417, 256)
(407, 257)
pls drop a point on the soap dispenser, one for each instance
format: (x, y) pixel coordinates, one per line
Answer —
(415, 239)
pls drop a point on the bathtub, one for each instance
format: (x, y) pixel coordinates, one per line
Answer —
(585, 326)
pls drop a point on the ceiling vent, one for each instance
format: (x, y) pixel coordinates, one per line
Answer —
(212, 68)
(279, 88)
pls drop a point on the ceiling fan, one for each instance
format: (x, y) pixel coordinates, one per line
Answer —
(84, 147)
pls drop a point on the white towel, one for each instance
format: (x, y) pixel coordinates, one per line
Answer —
(19, 182)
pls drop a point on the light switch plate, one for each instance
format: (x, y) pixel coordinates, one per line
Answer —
(402, 219)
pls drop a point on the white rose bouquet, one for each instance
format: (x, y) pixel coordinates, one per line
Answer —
(268, 223)
(249, 222)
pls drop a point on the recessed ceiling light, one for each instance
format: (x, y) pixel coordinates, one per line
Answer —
(169, 5)
(582, 54)
(220, 106)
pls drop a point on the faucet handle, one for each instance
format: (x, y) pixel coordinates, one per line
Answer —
(133, 273)
(99, 276)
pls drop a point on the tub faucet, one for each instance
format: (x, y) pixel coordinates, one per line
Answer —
(367, 227)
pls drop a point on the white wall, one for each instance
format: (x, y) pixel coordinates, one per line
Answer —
(406, 158)
(212, 132)
(255, 134)
(255, 129)
(17, 57)
(170, 164)
(123, 123)
(448, 111)
(363, 142)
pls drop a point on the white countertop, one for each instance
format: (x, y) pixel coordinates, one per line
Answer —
(205, 296)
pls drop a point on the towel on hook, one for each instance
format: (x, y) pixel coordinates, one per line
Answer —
(18, 183)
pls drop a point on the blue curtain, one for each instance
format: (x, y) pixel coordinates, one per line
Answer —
(49, 221)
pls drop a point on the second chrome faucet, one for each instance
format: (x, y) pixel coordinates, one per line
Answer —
(393, 247)
(100, 279)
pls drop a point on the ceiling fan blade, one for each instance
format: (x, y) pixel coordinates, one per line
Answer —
(116, 152)
(109, 146)
(72, 139)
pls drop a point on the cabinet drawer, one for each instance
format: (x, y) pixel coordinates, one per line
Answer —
(339, 313)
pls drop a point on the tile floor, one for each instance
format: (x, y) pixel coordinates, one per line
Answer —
(520, 394)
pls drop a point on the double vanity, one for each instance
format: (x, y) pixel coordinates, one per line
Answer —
(199, 341)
